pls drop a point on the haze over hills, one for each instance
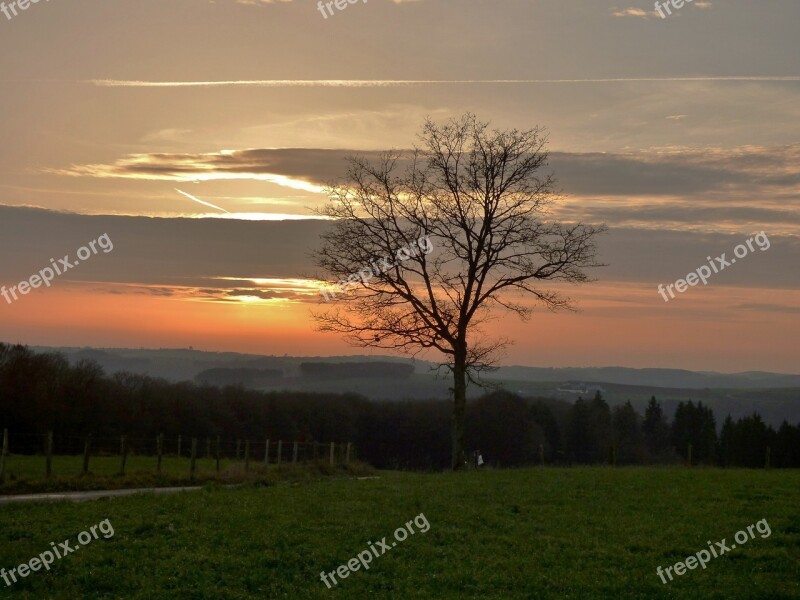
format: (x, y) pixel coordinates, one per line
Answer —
(186, 364)
(666, 378)
(775, 396)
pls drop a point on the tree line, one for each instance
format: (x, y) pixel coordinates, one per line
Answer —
(40, 393)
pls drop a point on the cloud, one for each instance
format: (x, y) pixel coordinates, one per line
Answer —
(208, 294)
(680, 170)
(631, 12)
(263, 294)
(232, 261)
(674, 186)
(185, 259)
(763, 307)
(277, 167)
(678, 214)
(261, 2)
(659, 171)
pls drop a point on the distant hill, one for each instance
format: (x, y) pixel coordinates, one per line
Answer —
(186, 364)
(332, 370)
(665, 378)
(775, 396)
(252, 378)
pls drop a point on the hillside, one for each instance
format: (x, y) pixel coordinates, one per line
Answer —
(775, 396)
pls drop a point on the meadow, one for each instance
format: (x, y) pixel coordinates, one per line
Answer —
(594, 532)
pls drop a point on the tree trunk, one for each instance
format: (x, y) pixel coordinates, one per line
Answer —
(459, 409)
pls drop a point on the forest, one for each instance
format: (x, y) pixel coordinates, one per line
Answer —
(41, 393)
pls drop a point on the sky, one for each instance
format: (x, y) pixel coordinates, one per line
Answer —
(199, 137)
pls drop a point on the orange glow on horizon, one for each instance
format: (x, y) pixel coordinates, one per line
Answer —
(706, 324)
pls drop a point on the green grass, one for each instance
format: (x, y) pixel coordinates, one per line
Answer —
(534, 533)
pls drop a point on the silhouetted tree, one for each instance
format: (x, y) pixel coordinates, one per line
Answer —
(726, 442)
(695, 425)
(542, 416)
(479, 199)
(750, 439)
(627, 434)
(656, 430)
(499, 426)
(787, 446)
(600, 428)
(579, 439)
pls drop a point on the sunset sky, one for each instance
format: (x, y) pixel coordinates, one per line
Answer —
(131, 118)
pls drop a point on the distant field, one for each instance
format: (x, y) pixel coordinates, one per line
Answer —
(534, 533)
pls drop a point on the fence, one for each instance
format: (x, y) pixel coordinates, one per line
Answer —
(245, 451)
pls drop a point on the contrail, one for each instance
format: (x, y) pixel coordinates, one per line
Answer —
(360, 83)
(190, 197)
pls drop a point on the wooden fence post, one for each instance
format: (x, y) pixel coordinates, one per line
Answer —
(541, 454)
(48, 468)
(246, 456)
(217, 454)
(266, 453)
(123, 449)
(347, 454)
(238, 449)
(3, 454)
(333, 447)
(180, 440)
(690, 455)
(294, 454)
(769, 452)
(87, 446)
(208, 447)
(314, 451)
(159, 450)
(193, 466)
(280, 451)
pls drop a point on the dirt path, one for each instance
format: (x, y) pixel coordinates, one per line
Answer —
(97, 494)
(93, 495)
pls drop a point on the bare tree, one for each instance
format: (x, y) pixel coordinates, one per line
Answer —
(477, 198)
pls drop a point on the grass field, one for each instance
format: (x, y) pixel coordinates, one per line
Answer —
(534, 533)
